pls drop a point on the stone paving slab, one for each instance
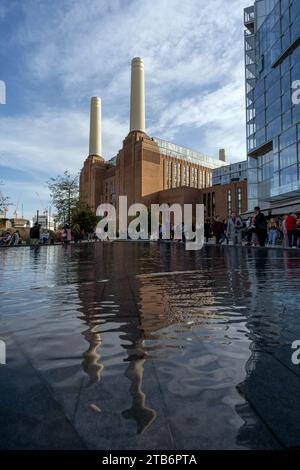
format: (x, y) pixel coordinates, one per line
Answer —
(30, 417)
(273, 392)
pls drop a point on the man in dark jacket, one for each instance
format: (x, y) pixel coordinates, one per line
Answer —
(260, 225)
(218, 230)
(207, 230)
(35, 234)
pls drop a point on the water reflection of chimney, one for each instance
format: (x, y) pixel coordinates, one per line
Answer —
(91, 363)
(139, 412)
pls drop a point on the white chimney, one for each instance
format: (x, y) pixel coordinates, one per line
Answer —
(137, 98)
(95, 127)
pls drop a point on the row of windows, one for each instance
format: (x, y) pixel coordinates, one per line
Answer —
(280, 125)
(274, 75)
(287, 175)
(209, 201)
(177, 174)
(238, 202)
(109, 191)
(272, 162)
(277, 33)
(278, 84)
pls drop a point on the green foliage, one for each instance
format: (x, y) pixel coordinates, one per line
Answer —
(64, 192)
(83, 218)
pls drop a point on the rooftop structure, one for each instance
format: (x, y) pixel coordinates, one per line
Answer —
(191, 156)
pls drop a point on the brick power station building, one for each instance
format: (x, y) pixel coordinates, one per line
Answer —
(150, 170)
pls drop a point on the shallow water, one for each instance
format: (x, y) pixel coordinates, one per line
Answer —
(146, 345)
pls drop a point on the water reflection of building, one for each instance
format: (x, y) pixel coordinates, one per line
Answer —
(153, 298)
(139, 307)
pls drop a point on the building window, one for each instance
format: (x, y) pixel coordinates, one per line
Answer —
(184, 175)
(174, 183)
(239, 201)
(187, 175)
(178, 174)
(165, 173)
(213, 204)
(192, 176)
(201, 179)
(169, 174)
(229, 202)
(208, 205)
(206, 181)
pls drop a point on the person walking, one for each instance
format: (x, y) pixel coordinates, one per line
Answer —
(207, 230)
(234, 229)
(291, 226)
(35, 234)
(66, 234)
(298, 232)
(260, 226)
(273, 231)
(225, 230)
(285, 241)
(250, 230)
(218, 230)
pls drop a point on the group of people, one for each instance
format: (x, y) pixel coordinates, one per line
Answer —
(40, 235)
(257, 231)
(225, 230)
(11, 239)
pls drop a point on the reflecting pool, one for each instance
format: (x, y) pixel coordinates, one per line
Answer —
(132, 345)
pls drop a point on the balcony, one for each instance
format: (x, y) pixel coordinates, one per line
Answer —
(249, 18)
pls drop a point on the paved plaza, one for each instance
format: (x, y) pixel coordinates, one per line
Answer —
(138, 345)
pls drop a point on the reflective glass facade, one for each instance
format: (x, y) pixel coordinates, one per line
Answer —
(272, 63)
(230, 173)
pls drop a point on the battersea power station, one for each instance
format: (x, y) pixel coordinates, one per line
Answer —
(149, 170)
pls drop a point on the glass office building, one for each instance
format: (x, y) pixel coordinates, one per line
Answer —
(272, 63)
(230, 173)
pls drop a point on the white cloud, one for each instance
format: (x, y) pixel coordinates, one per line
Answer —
(45, 145)
(53, 141)
(220, 115)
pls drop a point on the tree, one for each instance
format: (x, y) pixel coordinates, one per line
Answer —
(64, 193)
(83, 217)
(4, 202)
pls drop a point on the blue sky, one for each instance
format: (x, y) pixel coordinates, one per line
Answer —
(56, 54)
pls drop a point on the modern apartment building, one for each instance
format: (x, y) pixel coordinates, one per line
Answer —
(272, 66)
